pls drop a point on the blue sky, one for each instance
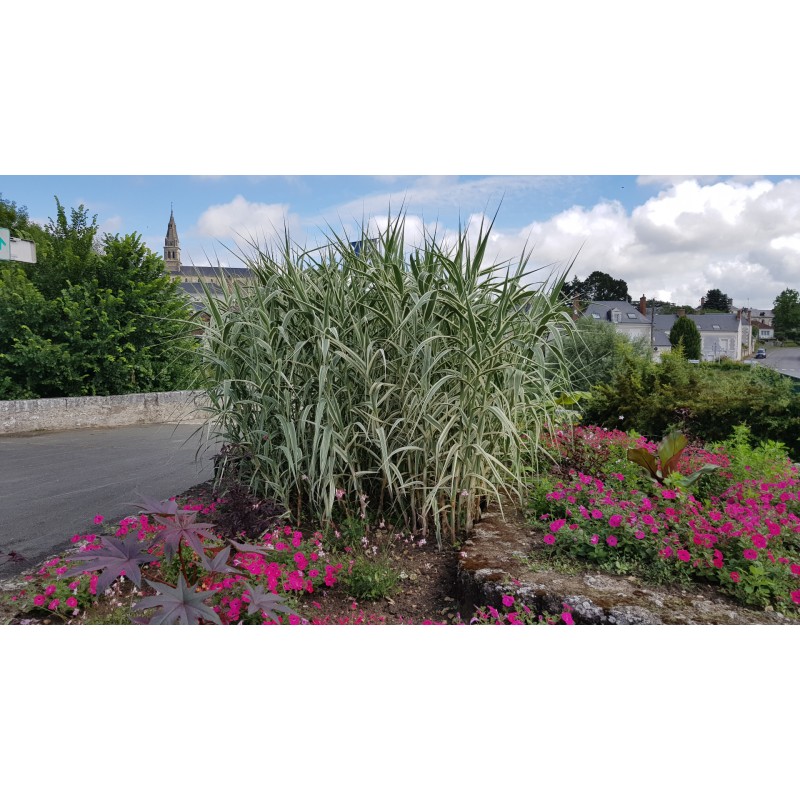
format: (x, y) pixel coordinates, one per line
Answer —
(669, 237)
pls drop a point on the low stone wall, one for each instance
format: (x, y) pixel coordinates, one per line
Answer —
(68, 413)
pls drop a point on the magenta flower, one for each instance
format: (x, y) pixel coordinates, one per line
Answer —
(750, 555)
(72, 602)
(50, 589)
(668, 494)
(549, 538)
(595, 539)
(567, 617)
(98, 519)
(611, 541)
(54, 604)
(795, 595)
(597, 513)
(508, 600)
(795, 568)
(557, 525)
(759, 541)
(735, 577)
(615, 521)
(39, 600)
(684, 555)
(639, 534)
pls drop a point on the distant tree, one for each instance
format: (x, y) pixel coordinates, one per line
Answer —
(663, 307)
(684, 333)
(598, 286)
(787, 314)
(716, 300)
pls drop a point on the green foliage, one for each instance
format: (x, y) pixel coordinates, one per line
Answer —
(595, 351)
(705, 400)
(787, 314)
(88, 320)
(716, 300)
(767, 459)
(684, 334)
(400, 380)
(598, 286)
(370, 579)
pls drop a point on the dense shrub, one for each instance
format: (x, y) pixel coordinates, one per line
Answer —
(707, 401)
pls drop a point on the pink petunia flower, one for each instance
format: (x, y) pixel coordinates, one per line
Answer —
(549, 538)
(759, 541)
(595, 539)
(508, 600)
(639, 534)
(795, 595)
(557, 525)
(750, 555)
(735, 577)
(98, 519)
(668, 494)
(615, 520)
(611, 541)
(39, 600)
(72, 602)
(684, 555)
(567, 618)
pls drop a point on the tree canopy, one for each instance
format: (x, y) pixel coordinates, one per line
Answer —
(787, 314)
(716, 300)
(684, 334)
(90, 317)
(598, 286)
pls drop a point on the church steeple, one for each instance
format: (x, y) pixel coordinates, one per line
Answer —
(172, 246)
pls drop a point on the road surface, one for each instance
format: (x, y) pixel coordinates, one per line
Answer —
(783, 359)
(53, 484)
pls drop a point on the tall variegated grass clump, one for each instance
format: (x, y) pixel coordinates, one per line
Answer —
(383, 381)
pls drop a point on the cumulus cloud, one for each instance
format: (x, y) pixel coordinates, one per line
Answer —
(733, 235)
(246, 220)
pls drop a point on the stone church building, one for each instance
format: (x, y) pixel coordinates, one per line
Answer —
(190, 276)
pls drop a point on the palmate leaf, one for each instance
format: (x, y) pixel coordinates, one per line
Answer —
(114, 557)
(183, 525)
(265, 601)
(150, 505)
(180, 604)
(219, 563)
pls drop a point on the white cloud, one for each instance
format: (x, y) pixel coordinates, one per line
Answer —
(736, 236)
(244, 220)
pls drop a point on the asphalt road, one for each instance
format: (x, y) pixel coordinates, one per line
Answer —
(53, 484)
(783, 359)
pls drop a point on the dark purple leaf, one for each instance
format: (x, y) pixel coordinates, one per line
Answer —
(180, 604)
(114, 557)
(219, 563)
(152, 506)
(183, 525)
(266, 602)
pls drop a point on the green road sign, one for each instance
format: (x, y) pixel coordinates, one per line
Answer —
(5, 244)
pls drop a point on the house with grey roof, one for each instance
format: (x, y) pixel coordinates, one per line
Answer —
(627, 318)
(722, 335)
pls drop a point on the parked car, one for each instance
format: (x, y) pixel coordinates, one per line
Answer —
(761, 353)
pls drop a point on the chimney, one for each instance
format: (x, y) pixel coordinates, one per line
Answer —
(643, 306)
(681, 312)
